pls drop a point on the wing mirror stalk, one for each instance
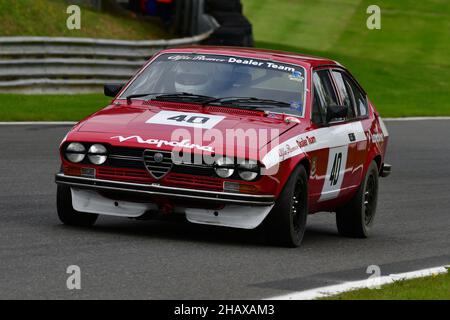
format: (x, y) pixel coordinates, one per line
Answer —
(113, 89)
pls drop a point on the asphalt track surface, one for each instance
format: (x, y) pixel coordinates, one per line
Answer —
(127, 259)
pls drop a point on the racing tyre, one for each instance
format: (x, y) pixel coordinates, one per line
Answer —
(356, 218)
(286, 223)
(67, 214)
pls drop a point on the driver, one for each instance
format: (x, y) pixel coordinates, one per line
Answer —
(194, 78)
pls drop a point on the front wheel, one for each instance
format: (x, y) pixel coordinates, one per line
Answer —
(286, 223)
(356, 218)
(67, 214)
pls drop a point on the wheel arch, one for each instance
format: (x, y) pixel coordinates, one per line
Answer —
(372, 156)
(378, 161)
(288, 166)
(307, 164)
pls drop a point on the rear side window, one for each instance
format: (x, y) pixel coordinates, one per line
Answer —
(324, 95)
(345, 91)
(359, 99)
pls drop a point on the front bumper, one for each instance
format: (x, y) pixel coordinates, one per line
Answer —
(156, 190)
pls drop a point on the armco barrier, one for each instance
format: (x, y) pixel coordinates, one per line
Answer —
(71, 65)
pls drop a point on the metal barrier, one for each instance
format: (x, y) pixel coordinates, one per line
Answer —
(71, 65)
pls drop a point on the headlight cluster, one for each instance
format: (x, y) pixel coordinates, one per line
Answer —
(225, 167)
(97, 154)
(247, 170)
(76, 153)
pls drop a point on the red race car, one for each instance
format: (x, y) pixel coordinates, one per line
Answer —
(229, 137)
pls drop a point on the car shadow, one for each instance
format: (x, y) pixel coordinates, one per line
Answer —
(188, 232)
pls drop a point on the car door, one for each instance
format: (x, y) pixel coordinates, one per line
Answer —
(361, 107)
(354, 129)
(335, 152)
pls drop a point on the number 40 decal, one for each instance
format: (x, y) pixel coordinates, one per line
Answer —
(185, 119)
(337, 161)
(336, 169)
(189, 119)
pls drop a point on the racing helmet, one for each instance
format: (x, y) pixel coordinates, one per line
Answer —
(196, 78)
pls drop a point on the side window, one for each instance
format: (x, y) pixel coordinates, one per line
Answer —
(317, 115)
(346, 92)
(324, 96)
(360, 100)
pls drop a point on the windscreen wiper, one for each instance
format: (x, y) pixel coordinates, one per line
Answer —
(181, 96)
(139, 95)
(248, 102)
(176, 96)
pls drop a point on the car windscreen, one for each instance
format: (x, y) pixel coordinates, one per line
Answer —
(221, 76)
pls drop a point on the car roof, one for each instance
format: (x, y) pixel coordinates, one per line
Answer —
(306, 61)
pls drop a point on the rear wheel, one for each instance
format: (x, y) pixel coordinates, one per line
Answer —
(67, 214)
(286, 223)
(356, 218)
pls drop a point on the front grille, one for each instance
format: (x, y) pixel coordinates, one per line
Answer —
(197, 170)
(133, 158)
(158, 163)
(109, 173)
(129, 164)
(191, 181)
(125, 162)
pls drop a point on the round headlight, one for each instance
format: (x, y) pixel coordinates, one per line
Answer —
(97, 154)
(75, 152)
(248, 170)
(224, 167)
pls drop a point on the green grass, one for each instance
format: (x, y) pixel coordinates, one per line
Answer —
(49, 107)
(404, 67)
(430, 288)
(48, 18)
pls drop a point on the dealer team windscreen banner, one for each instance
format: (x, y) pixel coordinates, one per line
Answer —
(223, 76)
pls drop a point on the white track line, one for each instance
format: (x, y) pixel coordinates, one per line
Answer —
(352, 285)
(52, 123)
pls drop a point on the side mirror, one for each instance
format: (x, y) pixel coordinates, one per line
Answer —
(336, 112)
(112, 89)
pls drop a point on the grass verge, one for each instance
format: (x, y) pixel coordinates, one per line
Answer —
(16, 107)
(429, 288)
(48, 18)
(404, 67)
(396, 89)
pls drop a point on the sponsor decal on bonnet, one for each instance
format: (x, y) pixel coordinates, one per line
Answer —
(159, 143)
